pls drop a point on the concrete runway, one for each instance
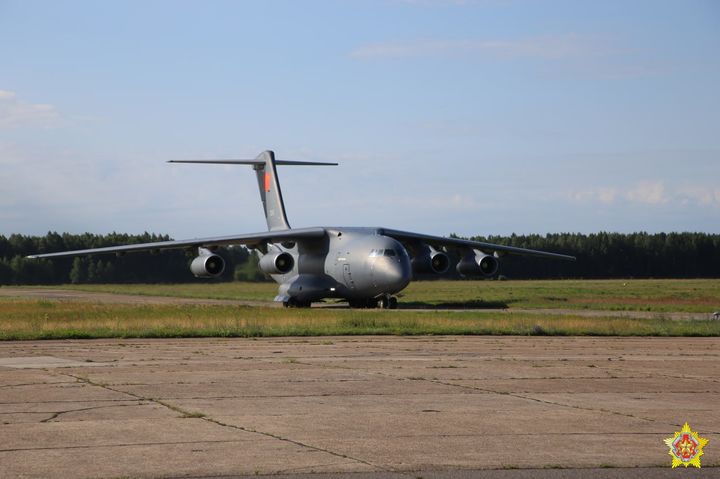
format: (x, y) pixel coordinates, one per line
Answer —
(367, 407)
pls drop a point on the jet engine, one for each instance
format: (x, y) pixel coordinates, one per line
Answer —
(276, 262)
(477, 263)
(430, 261)
(207, 266)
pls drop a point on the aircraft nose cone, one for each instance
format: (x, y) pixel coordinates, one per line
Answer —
(393, 274)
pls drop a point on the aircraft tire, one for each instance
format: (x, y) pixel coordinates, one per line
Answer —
(294, 303)
(392, 302)
(383, 303)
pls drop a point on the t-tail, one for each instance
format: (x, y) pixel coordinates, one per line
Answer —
(268, 184)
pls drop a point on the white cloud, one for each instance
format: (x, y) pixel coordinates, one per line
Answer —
(44, 189)
(542, 47)
(607, 195)
(700, 195)
(651, 192)
(18, 113)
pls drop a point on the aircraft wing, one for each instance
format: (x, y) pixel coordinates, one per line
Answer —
(439, 241)
(251, 240)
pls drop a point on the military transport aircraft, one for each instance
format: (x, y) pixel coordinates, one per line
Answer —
(365, 266)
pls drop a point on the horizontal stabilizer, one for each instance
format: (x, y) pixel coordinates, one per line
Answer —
(268, 184)
(255, 162)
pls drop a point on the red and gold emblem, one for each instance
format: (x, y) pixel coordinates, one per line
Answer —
(686, 447)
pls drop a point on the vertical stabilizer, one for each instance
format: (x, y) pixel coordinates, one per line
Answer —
(270, 192)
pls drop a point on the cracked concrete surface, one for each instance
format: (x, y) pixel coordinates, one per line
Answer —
(388, 405)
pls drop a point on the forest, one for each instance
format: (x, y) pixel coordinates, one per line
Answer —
(599, 255)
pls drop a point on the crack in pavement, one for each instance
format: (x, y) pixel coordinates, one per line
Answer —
(542, 401)
(58, 401)
(492, 391)
(297, 443)
(693, 378)
(206, 418)
(57, 414)
(516, 395)
(33, 384)
(131, 444)
(278, 396)
(534, 434)
(52, 412)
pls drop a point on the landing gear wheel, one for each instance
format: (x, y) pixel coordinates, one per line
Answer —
(392, 302)
(383, 303)
(296, 303)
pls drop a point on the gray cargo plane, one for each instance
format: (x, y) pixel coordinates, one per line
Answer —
(365, 266)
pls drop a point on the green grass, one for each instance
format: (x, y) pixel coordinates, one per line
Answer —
(201, 290)
(31, 319)
(50, 319)
(691, 296)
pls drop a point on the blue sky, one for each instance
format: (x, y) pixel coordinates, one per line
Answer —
(472, 117)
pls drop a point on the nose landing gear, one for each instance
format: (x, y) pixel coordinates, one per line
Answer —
(387, 302)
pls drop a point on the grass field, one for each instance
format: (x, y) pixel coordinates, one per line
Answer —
(33, 319)
(44, 319)
(691, 296)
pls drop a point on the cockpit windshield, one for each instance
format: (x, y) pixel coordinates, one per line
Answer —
(383, 252)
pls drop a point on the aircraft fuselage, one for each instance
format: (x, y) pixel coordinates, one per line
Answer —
(354, 263)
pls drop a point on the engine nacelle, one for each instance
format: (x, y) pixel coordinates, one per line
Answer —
(478, 264)
(276, 262)
(430, 261)
(207, 266)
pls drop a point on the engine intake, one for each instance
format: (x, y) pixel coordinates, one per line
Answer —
(477, 263)
(430, 261)
(207, 266)
(276, 263)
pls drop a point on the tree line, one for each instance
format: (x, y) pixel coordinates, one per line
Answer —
(614, 255)
(600, 255)
(169, 266)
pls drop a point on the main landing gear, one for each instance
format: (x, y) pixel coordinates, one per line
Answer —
(383, 302)
(296, 303)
